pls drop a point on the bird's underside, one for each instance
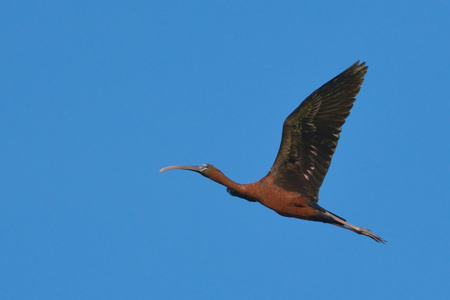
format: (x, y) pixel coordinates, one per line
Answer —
(309, 139)
(293, 204)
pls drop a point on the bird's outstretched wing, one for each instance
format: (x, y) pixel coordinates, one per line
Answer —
(311, 133)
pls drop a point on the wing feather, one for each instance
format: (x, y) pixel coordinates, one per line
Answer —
(311, 133)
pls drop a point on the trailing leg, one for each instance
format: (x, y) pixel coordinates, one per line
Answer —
(343, 224)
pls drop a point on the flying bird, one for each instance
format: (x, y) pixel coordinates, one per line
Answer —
(309, 139)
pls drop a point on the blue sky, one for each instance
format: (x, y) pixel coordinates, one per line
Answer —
(96, 97)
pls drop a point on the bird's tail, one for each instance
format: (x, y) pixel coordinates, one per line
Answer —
(338, 221)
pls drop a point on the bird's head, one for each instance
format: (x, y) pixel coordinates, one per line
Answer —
(205, 169)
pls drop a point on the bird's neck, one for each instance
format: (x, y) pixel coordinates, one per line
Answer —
(219, 177)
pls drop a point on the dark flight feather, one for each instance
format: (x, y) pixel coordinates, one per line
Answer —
(311, 133)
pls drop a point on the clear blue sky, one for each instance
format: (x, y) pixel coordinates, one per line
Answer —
(96, 97)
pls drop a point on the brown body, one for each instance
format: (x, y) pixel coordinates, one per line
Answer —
(310, 136)
(285, 203)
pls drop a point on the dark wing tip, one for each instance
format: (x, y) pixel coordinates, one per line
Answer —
(356, 68)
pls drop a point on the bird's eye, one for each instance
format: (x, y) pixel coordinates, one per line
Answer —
(203, 167)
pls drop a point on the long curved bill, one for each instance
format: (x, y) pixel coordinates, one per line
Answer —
(181, 167)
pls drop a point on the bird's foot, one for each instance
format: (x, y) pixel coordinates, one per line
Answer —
(369, 233)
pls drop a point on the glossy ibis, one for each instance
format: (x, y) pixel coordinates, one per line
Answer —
(309, 139)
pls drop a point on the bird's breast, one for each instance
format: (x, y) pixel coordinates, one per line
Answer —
(285, 203)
